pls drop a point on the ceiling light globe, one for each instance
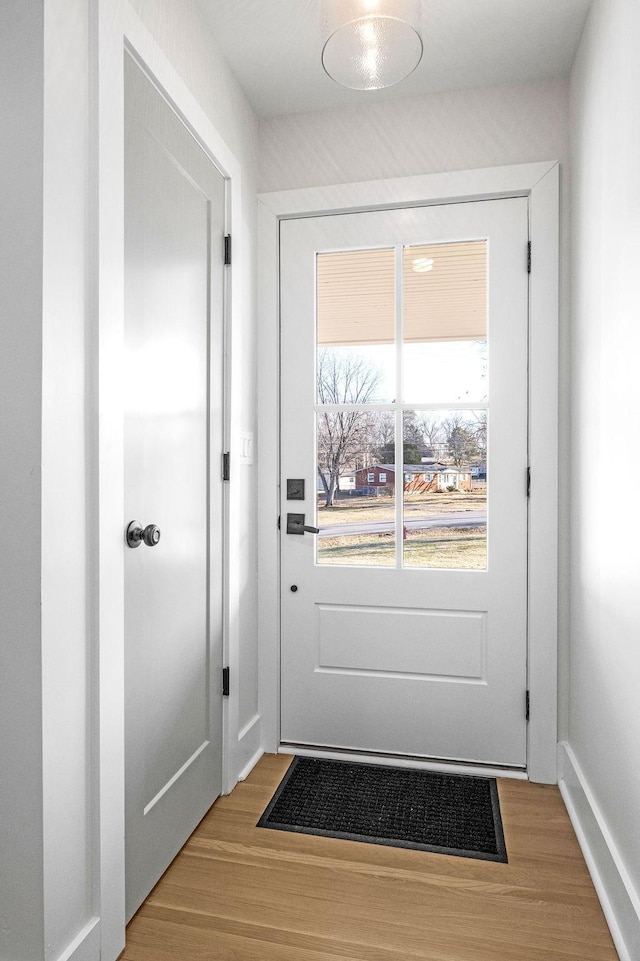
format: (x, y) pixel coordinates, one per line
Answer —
(370, 44)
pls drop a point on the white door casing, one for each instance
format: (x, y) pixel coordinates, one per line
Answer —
(119, 33)
(539, 182)
(415, 662)
(173, 418)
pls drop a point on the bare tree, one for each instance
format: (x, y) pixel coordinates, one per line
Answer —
(461, 439)
(344, 378)
(432, 432)
(384, 432)
(478, 427)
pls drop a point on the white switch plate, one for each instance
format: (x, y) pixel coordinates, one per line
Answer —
(246, 447)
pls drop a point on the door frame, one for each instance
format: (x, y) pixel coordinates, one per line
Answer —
(116, 28)
(539, 182)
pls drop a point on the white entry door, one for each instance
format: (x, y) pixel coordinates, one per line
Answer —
(173, 422)
(404, 441)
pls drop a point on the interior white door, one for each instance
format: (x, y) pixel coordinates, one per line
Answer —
(404, 340)
(173, 418)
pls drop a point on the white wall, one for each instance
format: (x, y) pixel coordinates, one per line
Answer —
(51, 903)
(21, 211)
(47, 869)
(458, 130)
(67, 644)
(604, 704)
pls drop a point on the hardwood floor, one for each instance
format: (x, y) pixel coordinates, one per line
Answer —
(240, 893)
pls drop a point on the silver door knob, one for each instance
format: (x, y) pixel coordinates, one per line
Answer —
(136, 534)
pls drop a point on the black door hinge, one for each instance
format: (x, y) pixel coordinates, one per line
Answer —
(227, 250)
(278, 522)
(225, 682)
(528, 481)
(529, 257)
(225, 466)
(527, 706)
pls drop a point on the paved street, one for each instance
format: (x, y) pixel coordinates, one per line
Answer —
(454, 519)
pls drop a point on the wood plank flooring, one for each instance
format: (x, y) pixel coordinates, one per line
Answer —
(240, 893)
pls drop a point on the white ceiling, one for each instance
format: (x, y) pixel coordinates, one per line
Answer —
(273, 48)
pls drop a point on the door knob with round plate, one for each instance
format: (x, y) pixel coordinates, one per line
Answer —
(136, 534)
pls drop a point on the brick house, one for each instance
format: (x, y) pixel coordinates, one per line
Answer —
(418, 478)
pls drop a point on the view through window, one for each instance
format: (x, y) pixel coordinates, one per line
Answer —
(402, 408)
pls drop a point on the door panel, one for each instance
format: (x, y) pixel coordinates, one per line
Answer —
(437, 643)
(174, 219)
(404, 359)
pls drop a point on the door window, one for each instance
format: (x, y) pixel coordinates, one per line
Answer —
(402, 383)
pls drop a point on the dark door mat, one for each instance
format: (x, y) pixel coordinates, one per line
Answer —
(401, 807)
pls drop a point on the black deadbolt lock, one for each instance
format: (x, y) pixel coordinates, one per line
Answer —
(295, 489)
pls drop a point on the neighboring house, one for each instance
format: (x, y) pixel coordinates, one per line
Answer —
(346, 482)
(479, 470)
(418, 478)
(378, 477)
(438, 478)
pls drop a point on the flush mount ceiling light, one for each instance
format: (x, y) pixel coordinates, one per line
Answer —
(422, 265)
(369, 44)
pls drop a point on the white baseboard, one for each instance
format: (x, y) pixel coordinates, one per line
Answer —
(618, 897)
(249, 746)
(85, 946)
(248, 768)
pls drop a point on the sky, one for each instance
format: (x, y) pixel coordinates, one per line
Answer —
(440, 372)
